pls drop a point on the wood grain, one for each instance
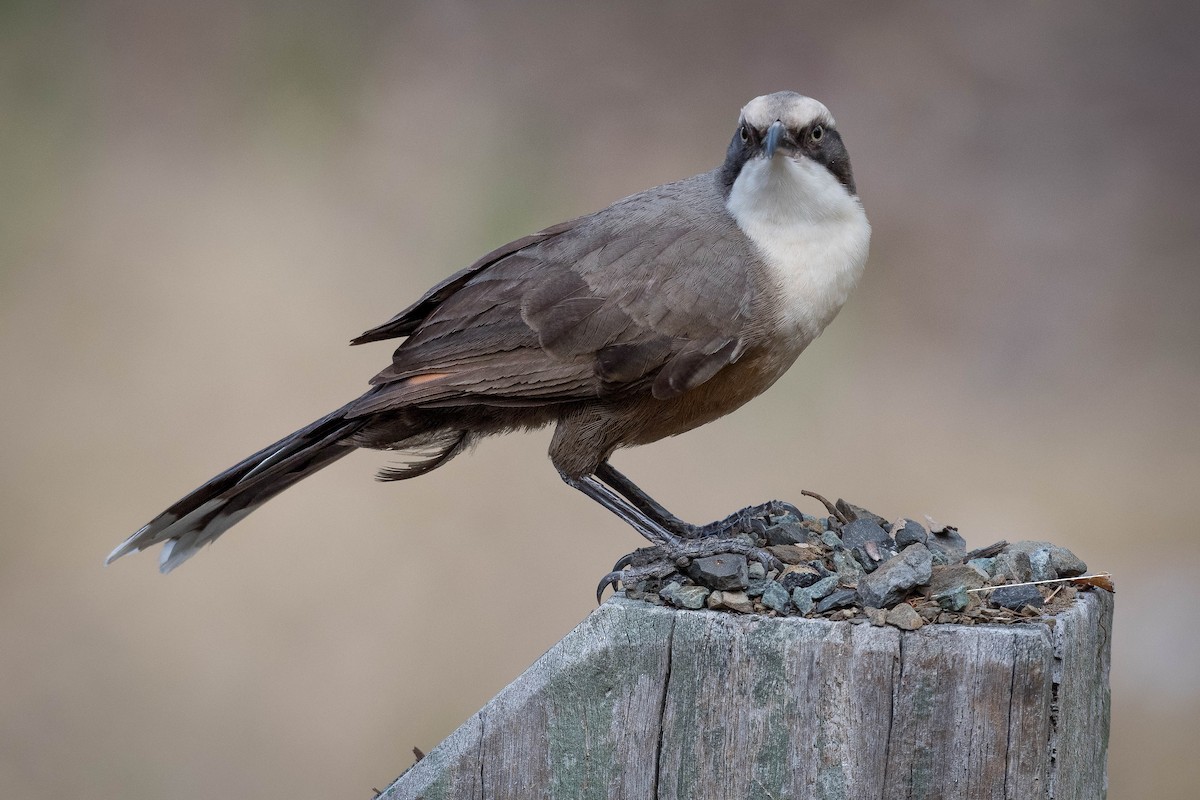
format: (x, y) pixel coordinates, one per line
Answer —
(642, 701)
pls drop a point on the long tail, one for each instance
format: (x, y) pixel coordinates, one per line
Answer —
(209, 511)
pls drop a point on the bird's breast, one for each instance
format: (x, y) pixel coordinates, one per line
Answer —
(811, 236)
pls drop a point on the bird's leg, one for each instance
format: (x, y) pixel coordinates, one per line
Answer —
(669, 551)
(647, 504)
(748, 519)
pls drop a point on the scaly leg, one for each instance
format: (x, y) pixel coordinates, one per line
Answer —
(671, 549)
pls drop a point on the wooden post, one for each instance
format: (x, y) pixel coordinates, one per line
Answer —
(642, 701)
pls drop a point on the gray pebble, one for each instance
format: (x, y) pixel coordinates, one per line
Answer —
(955, 576)
(947, 546)
(1047, 560)
(670, 592)
(839, 599)
(799, 578)
(831, 539)
(803, 601)
(1016, 597)
(776, 597)
(858, 513)
(724, 571)
(821, 587)
(910, 533)
(905, 617)
(1014, 566)
(985, 565)
(847, 567)
(1040, 567)
(954, 599)
(888, 584)
(787, 533)
(861, 531)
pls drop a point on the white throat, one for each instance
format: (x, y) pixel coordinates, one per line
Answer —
(812, 234)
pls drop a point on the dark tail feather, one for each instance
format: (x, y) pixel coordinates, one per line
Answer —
(209, 511)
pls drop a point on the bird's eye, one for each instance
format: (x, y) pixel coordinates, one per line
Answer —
(745, 134)
(816, 133)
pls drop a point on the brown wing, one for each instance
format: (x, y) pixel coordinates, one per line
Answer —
(651, 294)
(407, 320)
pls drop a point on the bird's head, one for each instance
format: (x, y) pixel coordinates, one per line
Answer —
(784, 127)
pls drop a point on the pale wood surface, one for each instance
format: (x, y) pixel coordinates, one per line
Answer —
(642, 701)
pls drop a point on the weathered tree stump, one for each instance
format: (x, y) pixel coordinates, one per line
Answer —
(642, 701)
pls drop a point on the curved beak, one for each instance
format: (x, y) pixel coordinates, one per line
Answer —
(776, 135)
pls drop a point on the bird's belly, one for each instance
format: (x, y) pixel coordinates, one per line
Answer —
(727, 391)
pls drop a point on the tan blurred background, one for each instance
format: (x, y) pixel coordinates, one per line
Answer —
(200, 203)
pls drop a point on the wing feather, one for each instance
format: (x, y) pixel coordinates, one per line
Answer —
(652, 294)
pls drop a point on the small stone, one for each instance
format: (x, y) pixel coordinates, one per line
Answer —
(904, 617)
(889, 583)
(790, 553)
(848, 568)
(798, 576)
(877, 616)
(1013, 567)
(786, 533)
(929, 613)
(755, 571)
(952, 577)
(776, 597)
(814, 526)
(1047, 561)
(1016, 597)
(724, 571)
(861, 531)
(910, 533)
(821, 588)
(945, 543)
(831, 539)
(984, 565)
(839, 599)
(855, 513)
(869, 542)
(802, 600)
(1066, 563)
(756, 587)
(716, 600)
(737, 601)
(1039, 562)
(692, 597)
(954, 599)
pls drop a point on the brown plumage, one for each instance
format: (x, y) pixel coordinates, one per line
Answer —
(644, 320)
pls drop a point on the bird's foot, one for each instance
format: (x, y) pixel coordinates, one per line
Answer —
(660, 561)
(752, 520)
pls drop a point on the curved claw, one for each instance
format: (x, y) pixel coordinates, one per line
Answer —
(611, 579)
(623, 562)
(769, 561)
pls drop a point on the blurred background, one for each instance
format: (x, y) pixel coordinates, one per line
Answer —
(201, 203)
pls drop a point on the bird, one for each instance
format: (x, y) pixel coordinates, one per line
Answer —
(660, 313)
